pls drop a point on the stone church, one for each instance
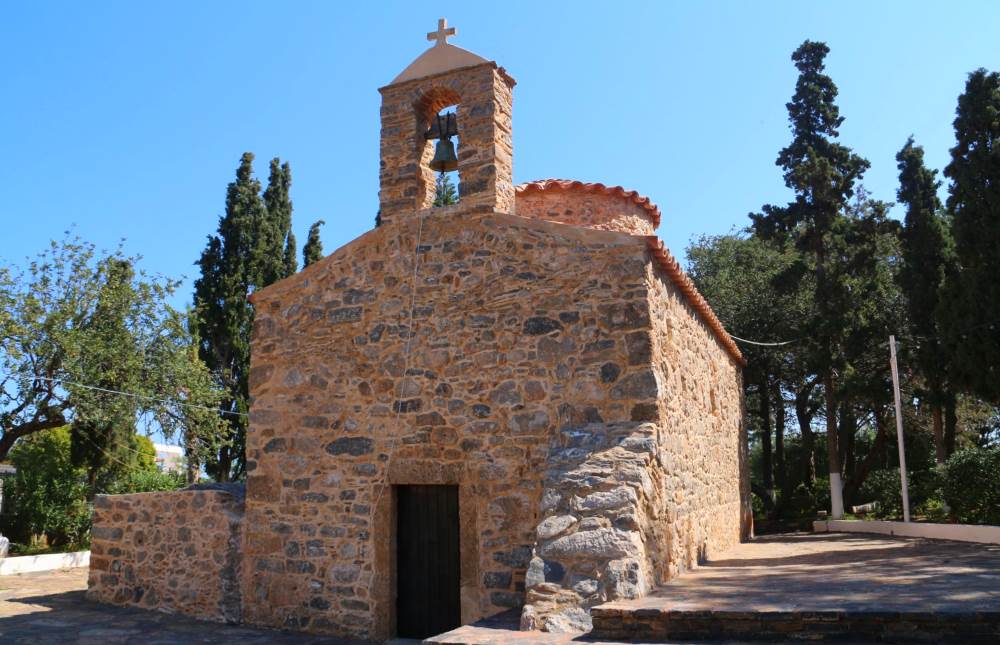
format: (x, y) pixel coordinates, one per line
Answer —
(515, 402)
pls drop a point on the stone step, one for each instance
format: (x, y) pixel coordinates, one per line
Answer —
(501, 628)
(619, 621)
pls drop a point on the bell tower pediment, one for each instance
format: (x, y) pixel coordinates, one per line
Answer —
(481, 93)
(438, 59)
(442, 57)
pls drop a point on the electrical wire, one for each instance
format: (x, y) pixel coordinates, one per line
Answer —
(406, 365)
(406, 368)
(775, 344)
(137, 396)
(989, 324)
(108, 454)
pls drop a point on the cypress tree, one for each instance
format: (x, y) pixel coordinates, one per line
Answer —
(290, 263)
(972, 315)
(230, 269)
(278, 241)
(313, 250)
(822, 174)
(444, 191)
(254, 247)
(928, 258)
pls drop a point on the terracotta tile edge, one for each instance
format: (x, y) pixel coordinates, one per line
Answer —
(670, 266)
(642, 201)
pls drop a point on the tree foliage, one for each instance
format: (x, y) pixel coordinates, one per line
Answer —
(47, 493)
(313, 250)
(972, 487)
(742, 275)
(276, 235)
(103, 422)
(927, 260)
(76, 321)
(143, 480)
(145, 453)
(972, 315)
(46, 498)
(445, 193)
(252, 248)
(832, 276)
(822, 174)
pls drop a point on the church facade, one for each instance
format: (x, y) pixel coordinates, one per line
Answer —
(515, 402)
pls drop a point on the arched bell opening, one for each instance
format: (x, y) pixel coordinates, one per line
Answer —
(438, 127)
(444, 133)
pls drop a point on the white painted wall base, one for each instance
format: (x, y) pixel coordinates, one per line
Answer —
(959, 532)
(46, 562)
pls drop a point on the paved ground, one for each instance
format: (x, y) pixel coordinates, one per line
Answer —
(49, 607)
(840, 571)
(808, 573)
(800, 572)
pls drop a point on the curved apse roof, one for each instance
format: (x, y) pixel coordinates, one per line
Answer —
(571, 185)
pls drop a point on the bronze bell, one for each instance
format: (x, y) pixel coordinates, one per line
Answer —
(444, 159)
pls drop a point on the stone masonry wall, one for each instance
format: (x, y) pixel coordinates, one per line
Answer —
(484, 95)
(176, 551)
(586, 208)
(628, 506)
(517, 328)
(600, 508)
(702, 441)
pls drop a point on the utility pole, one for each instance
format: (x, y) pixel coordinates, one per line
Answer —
(899, 429)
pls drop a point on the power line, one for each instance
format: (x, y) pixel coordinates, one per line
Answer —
(108, 454)
(411, 327)
(138, 396)
(775, 344)
(939, 339)
(411, 332)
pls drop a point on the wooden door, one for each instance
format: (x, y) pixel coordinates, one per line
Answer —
(427, 560)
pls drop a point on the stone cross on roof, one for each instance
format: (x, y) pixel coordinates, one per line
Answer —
(442, 33)
(441, 57)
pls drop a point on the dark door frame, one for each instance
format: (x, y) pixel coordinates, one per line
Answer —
(428, 580)
(383, 589)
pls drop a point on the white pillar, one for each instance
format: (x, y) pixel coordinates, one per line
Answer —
(836, 497)
(899, 430)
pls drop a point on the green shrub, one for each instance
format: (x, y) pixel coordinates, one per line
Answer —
(48, 495)
(146, 481)
(883, 486)
(821, 493)
(926, 490)
(972, 485)
(806, 501)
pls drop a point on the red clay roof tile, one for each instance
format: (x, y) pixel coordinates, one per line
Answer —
(684, 284)
(582, 186)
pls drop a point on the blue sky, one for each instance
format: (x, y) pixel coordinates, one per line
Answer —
(127, 119)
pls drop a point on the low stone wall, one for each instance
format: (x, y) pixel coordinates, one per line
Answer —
(175, 551)
(598, 515)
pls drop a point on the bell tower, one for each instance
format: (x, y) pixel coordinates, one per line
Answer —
(482, 95)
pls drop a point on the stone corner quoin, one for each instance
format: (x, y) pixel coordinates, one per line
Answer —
(525, 346)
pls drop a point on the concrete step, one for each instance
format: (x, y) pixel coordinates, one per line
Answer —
(620, 621)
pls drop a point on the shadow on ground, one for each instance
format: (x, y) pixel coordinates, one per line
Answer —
(50, 607)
